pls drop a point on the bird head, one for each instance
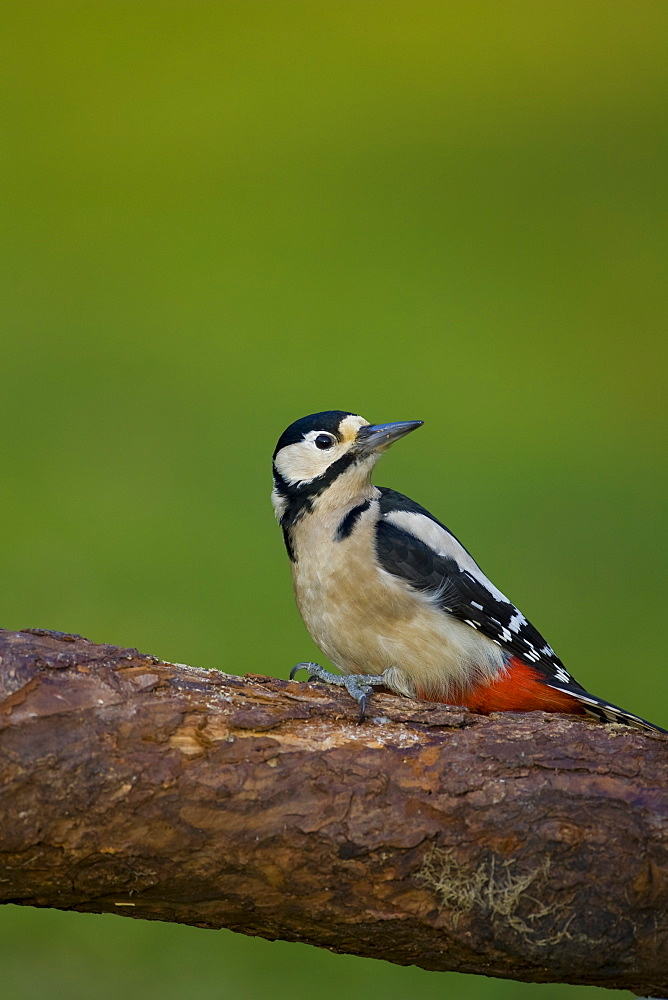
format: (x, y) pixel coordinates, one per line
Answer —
(322, 449)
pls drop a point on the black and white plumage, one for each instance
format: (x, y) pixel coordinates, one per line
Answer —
(392, 597)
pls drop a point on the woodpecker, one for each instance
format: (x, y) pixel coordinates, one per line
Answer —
(392, 597)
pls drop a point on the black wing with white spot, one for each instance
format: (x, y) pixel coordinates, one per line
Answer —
(412, 544)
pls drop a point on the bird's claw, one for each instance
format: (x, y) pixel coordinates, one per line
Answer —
(358, 686)
(317, 673)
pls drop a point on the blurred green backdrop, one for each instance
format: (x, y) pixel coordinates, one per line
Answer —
(223, 215)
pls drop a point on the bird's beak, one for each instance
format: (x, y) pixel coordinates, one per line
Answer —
(373, 437)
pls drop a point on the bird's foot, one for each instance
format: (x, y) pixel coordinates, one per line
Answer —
(358, 686)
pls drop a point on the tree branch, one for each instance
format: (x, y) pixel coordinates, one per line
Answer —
(533, 847)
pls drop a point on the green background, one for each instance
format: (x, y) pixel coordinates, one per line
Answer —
(221, 216)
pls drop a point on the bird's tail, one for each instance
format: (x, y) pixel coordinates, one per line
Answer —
(604, 711)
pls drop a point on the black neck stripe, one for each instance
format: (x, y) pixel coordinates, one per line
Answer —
(347, 525)
(299, 497)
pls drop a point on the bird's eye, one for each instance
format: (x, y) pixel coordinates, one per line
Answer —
(324, 441)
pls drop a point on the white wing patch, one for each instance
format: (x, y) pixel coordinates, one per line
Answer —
(444, 544)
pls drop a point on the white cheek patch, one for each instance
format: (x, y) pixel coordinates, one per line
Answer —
(302, 462)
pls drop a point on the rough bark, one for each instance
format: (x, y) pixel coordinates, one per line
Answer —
(533, 847)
